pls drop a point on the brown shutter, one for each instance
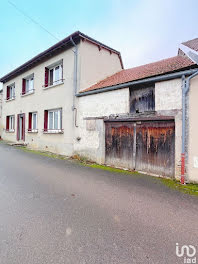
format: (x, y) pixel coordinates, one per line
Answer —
(46, 76)
(7, 123)
(45, 120)
(30, 122)
(18, 116)
(8, 92)
(23, 86)
(23, 128)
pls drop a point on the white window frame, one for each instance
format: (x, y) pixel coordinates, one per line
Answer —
(34, 129)
(60, 80)
(12, 91)
(27, 81)
(11, 123)
(53, 129)
(11, 87)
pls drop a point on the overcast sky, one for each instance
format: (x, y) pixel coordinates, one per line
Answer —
(142, 30)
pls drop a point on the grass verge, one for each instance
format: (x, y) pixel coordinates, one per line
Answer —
(191, 189)
(44, 153)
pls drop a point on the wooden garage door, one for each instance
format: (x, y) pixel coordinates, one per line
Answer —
(143, 146)
(119, 144)
(155, 148)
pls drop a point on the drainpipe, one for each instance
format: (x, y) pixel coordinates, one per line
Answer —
(75, 79)
(185, 89)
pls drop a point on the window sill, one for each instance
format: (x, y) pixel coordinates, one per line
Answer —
(57, 131)
(30, 92)
(54, 85)
(10, 99)
(33, 131)
(10, 131)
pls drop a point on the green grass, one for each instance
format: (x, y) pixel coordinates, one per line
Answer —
(111, 169)
(43, 153)
(189, 188)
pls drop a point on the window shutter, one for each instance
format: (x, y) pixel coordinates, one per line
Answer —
(8, 92)
(45, 120)
(18, 127)
(23, 128)
(23, 86)
(30, 122)
(46, 76)
(7, 123)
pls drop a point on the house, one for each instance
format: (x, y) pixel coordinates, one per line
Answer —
(76, 98)
(133, 119)
(1, 99)
(39, 103)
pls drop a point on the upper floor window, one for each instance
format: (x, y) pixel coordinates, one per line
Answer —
(53, 120)
(32, 127)
(54, 74)
(10, 123)
(28, 85)
(142, 99)
(10, 92)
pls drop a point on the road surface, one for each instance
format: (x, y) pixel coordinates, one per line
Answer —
(57, 211)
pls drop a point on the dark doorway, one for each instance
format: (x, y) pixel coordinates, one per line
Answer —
(21, 127)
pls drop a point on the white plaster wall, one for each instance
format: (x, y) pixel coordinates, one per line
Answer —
(91, 143)
(193, 131)
(1, 124)
(95, 65)
(60, 96)
(168, 95)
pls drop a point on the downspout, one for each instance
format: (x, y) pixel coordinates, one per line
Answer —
(185, 89)
(74, 109)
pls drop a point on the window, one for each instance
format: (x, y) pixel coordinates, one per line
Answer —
(10, 123)
(28, 85)
(10, 92)
(53, 75)
(142, 99)
(53, 120)
(32, 122)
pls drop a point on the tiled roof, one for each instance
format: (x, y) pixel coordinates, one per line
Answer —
(148, 70)
(193, 44)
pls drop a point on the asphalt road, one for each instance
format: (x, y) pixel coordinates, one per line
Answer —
(56, 211)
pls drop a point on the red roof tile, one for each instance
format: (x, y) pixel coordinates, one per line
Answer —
(148, 70)
(193, 44)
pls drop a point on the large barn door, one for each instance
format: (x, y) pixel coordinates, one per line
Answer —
(155, 152)
(143, 146)
(119, 144)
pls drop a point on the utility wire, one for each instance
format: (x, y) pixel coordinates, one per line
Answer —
(34, 21)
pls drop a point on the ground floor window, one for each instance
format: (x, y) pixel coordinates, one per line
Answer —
(10, 123)
(53, 120)
(33, 122)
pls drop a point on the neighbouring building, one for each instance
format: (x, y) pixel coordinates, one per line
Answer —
(133, 119)
(76, 98)
(39, 104)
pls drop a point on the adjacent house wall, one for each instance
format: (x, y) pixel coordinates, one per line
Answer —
(60, 96)
(193, 134)
(1, 98)
(95, 64)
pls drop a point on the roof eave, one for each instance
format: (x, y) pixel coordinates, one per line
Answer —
(158, 78)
